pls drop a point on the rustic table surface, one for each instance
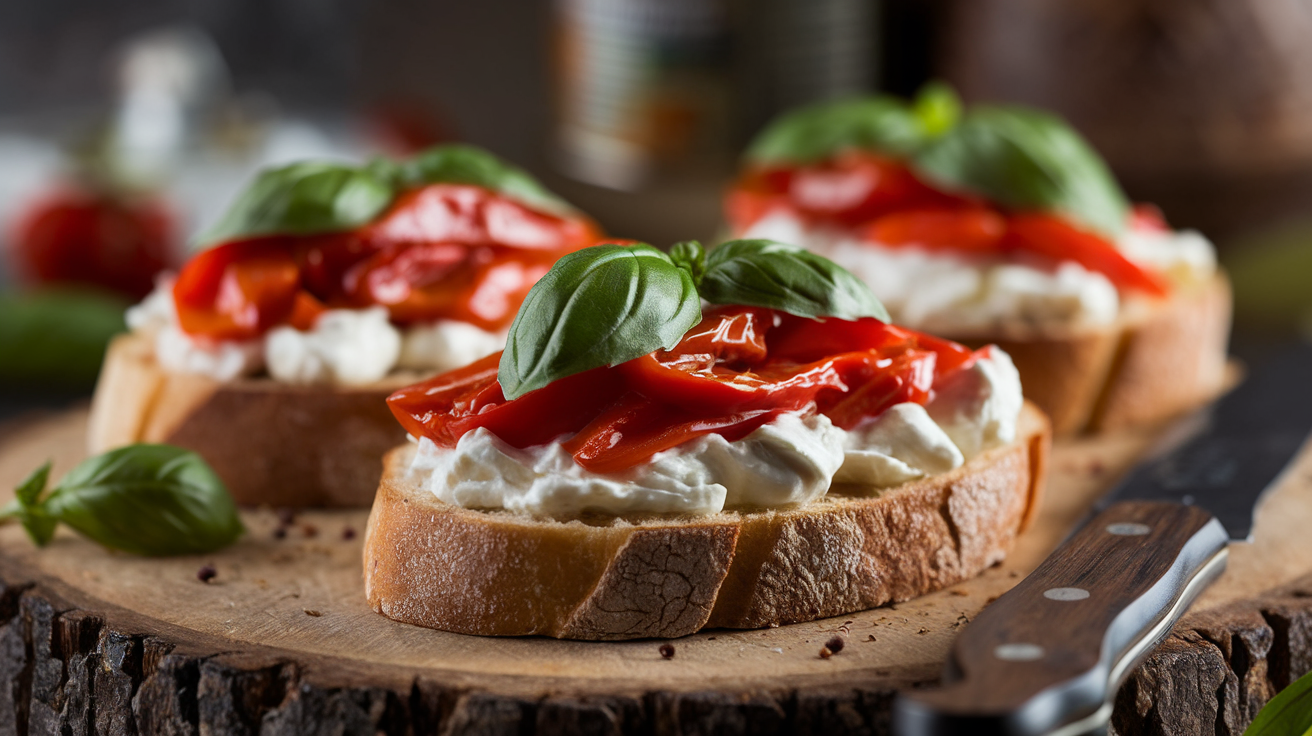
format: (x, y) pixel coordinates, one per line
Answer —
(282, 641)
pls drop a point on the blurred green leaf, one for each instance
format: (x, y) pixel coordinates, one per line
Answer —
(1272, 278)
(1289, 713)
(56, 337)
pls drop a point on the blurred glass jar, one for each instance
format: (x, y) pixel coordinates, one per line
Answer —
(642, 85)
(659, 96)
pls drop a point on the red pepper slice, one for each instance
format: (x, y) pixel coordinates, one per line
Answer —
(305, 311)
(1149, 218)
(850, 189)
(635, 428)
(442, 251)
(237, 291)
(733, 372)
(482, 285)
(1054, 237)
(907, 377)
(445, 407)
(966, 229)
(472, 215)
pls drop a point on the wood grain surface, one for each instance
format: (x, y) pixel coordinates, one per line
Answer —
(282, 641)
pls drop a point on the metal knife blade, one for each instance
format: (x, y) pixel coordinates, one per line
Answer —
(1234, 450)
(1047, 657)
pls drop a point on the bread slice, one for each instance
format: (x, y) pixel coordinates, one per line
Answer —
(270, 442)
(500, 574)
(1161, 357)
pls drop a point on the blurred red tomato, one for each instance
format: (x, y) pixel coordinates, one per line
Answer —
(83, 237)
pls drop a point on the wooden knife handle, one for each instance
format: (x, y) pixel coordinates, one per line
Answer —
(1048, 656)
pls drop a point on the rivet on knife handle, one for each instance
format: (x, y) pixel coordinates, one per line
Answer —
(1047, 656)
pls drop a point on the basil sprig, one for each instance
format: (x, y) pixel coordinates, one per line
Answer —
(1017, 157)
(765, 273)
(814, 133)
(460, 164)
(610, 303)
(878, 123)
(144, 499)
(1026, 159)
(319, 197)
(304, 199)
(597, 306)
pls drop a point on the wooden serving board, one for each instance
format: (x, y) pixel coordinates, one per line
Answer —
(282, 641)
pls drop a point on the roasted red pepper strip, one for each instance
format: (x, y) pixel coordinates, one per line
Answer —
(1056, 238)
(635, 428)
(966, 229)
(884, 201)
(237, 291)
(442, 251)
(736, 370)
(445, 407)
(851, 189)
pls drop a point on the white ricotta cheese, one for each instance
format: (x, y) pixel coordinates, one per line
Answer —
(221, 360)
(790, 461)
(899, 445)
(978, 406)
(951, 292)
(156, 311)
(1186, 255)
(346, 346)
(447, 344)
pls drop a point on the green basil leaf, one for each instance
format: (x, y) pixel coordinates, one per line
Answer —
(147, 500)
(39, 526)
(882, 124)
(30, 490)
(461, 164)
(598, 306)
(765, 273)
(26, 496)
(938, 108)
(303, 199)
(1289, 713)
(1026, 159)
(691, 257)
(56, 337)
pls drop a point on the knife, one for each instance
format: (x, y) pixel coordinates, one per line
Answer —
(1047, 657)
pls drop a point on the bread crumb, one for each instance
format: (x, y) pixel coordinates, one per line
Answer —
(311, 612)
(667, 651)
(831, 647)
(871, 637)
(309, 530)
(955, 591)
(923, 630)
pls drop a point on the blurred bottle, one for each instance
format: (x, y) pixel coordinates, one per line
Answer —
(1202, 106)
(659, 96)
(643, 88)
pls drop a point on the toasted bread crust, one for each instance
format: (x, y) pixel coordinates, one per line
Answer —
(271, 443)
(1160, 358)
(494, 573)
